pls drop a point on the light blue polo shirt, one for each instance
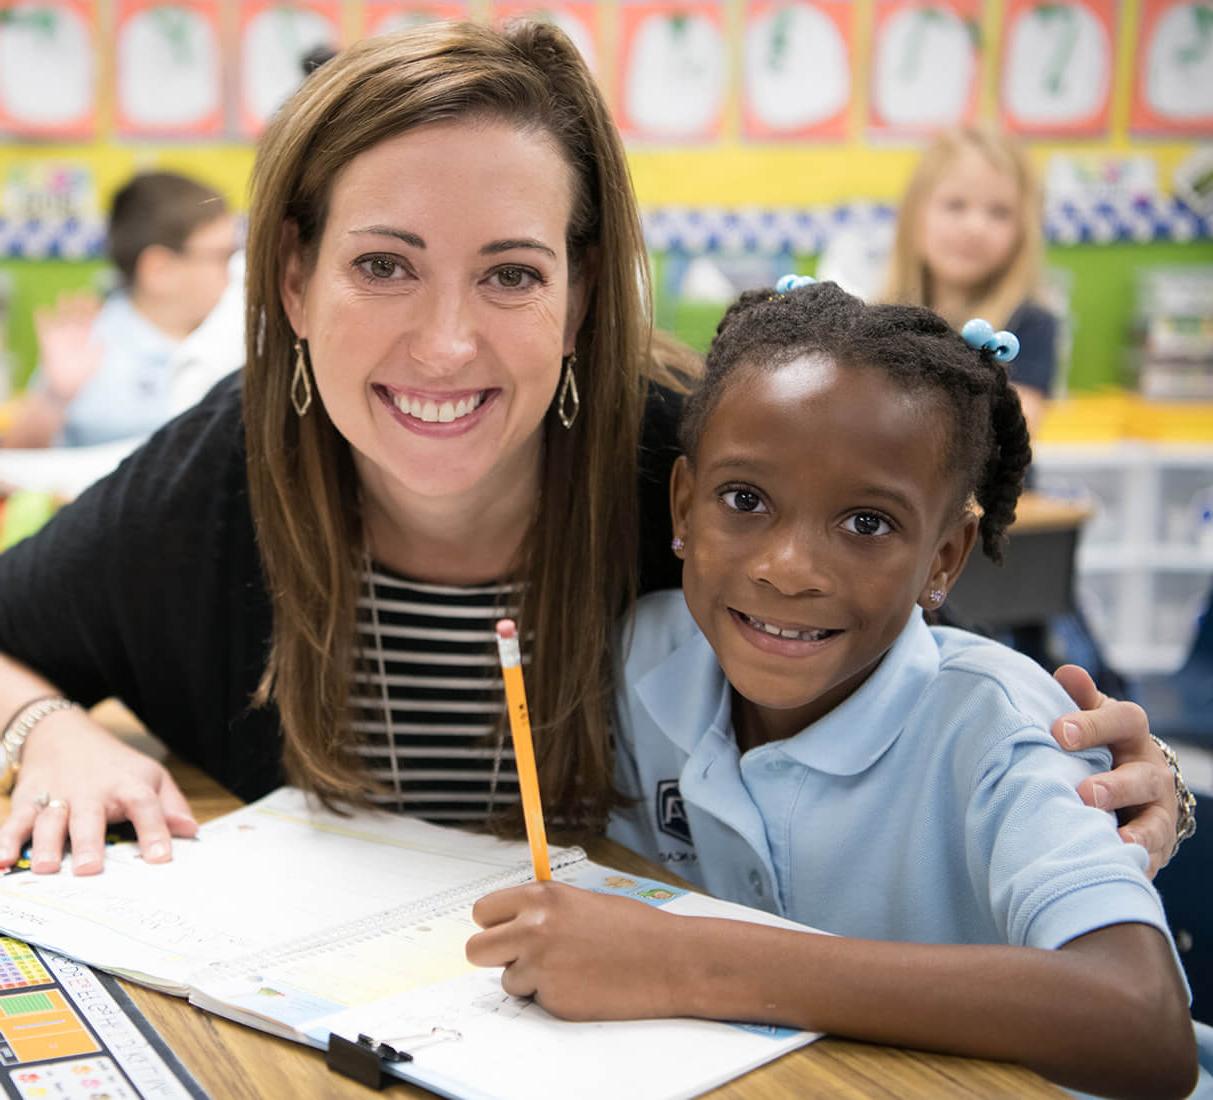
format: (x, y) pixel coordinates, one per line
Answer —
(131, 393)
(932, 806)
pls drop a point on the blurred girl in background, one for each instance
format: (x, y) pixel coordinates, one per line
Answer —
(969, 244)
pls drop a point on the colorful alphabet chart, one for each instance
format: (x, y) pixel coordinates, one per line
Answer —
(67, 1033)
(20, 966)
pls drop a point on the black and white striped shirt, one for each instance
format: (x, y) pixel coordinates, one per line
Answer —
(428, 698)
(189, 657)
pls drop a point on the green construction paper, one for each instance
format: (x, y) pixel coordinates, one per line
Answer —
(25, 511)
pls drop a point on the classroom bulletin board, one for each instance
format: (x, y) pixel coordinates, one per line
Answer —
(722, 102)
(755, 128)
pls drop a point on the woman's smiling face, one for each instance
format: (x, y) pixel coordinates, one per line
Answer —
(817, 510)
(439, 303)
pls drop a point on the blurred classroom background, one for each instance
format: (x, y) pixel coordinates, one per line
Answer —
(764, 137)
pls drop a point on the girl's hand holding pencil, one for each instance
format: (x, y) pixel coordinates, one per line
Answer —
(581, 955)
(586, 956)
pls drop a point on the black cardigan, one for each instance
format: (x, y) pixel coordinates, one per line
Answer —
(149, 588)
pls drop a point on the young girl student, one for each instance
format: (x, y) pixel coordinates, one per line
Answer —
(968, 244)
(793, 736)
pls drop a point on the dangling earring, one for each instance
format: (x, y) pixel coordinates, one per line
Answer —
(568, 394)
(301, 384)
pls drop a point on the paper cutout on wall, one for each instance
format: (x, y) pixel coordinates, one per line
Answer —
(577, 18)
(45, 192)
(48, 84)
(169, 72)
(1193, 180)
(673, 70)
(1057, 66)
(1173, 84)
(797, 69)
(274, 39)
(383, 16)
(925, 65)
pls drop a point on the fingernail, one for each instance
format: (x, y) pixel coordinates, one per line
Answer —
(157, 852)
(85, 859)
(1131, 838)
(1069, 735)
(1100, 794)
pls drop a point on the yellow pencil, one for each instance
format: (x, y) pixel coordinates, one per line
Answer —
(524, 748)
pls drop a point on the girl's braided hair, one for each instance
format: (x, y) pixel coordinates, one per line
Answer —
(987, 447)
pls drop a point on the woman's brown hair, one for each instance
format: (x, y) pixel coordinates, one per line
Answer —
(909, 282)
(579, 561)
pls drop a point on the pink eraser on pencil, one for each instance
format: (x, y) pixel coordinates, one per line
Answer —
(506, 628)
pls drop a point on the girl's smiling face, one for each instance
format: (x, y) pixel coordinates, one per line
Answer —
(818, 505)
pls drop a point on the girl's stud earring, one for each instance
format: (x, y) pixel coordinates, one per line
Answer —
(677, 545)
(937, 596)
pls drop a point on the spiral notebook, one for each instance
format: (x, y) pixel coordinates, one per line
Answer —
(304, 923)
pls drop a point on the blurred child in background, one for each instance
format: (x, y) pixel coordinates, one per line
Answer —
(969, 243)
(106, 371)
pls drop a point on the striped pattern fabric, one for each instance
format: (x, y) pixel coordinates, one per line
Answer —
(428, 698)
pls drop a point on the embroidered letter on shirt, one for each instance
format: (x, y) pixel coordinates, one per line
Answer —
(671, 814)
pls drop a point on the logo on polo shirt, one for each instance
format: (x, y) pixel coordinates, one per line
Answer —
(671, 813)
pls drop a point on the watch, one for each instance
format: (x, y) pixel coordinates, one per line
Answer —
(22, 724)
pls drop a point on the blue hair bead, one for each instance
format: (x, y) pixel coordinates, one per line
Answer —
(788, 283)
(977, 333)
(1006, 346)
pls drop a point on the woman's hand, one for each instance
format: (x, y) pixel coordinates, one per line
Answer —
(1141, 787)
(91, 778)
(581, 955)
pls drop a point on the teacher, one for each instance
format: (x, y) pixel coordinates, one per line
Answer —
(452, 410)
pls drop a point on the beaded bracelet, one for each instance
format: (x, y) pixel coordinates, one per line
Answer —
(20, 726)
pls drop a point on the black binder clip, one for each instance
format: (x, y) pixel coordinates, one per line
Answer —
(363, 1061)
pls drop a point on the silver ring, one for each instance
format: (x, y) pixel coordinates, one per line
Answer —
(42, 800)
(56, 804)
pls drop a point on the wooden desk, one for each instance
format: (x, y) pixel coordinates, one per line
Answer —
(1036, 579)
(234, 1063)
(1036, 513)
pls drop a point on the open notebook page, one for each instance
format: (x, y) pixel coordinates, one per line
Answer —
(404, 978)
(267, 874)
